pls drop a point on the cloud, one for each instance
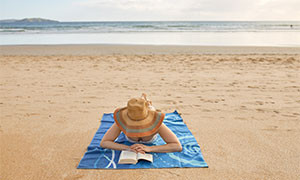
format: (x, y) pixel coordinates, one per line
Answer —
(279, 9)
(137, 9)
(194, 9)
(136, 5)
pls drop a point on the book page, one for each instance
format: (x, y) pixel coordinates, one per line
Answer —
(128, 157)
(147, 157)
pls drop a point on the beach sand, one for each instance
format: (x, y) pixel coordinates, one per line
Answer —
(242, 107)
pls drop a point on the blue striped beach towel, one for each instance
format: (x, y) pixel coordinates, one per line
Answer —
(190, 156)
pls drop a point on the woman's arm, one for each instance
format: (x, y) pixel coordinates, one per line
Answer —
(109, 138)
(173, 144)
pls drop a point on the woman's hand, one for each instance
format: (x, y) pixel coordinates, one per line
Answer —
(141, 148)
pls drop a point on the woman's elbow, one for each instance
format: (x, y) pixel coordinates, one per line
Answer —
(102, 144)
(178, 147)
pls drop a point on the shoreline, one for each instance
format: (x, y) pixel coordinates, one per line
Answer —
(107, 49)
(157, 38)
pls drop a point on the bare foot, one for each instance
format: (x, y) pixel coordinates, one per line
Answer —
(144, 96)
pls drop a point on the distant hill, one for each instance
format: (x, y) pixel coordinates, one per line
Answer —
(28, 21)
(8, 20)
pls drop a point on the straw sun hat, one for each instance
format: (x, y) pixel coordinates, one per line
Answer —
(137, 120)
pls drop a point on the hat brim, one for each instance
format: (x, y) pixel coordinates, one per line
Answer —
(138, 128)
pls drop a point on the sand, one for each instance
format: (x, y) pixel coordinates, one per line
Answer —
(242, 107)
(98, 49)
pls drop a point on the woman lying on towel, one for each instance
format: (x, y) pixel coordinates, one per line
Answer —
(140, 123)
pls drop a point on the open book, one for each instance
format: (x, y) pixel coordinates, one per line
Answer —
(130, 157)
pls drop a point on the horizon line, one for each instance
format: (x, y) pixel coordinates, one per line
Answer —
(148, 20)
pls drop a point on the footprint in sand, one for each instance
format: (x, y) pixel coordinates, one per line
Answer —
(260, 110)
(206, 110)
(168, 102)
(240, 118)
(253, 87)
(270, 128)
(32, 114)
(73, 177)
(288, 115)
(243, 107)
(259, 102)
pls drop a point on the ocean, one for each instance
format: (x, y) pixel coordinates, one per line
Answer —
(215, 33)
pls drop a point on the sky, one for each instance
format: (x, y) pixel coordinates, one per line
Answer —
(152, 10)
